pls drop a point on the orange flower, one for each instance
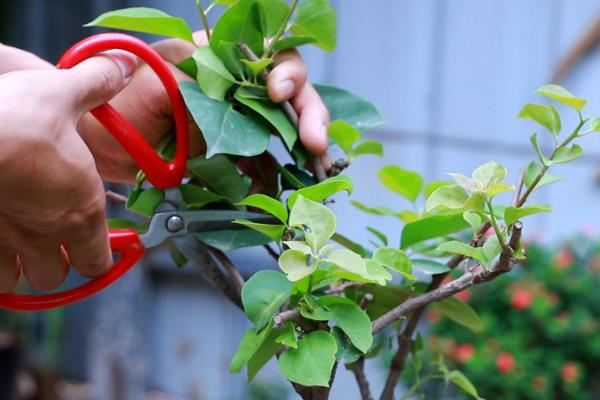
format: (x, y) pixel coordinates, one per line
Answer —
(569, 372)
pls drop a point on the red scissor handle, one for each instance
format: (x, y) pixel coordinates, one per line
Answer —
(124, 241)
(160, 173)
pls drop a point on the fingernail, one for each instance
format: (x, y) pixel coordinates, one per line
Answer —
(126, 62)
(285, 89)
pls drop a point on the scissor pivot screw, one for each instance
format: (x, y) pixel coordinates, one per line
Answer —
(174, 223)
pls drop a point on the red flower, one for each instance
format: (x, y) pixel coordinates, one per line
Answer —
(569, 372)
(564, 259)
(505, 362)
(464, 353)
(521, 299)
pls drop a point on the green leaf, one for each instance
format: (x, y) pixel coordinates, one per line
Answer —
(225, 3)
(379, 235)
(543, 159)
(401, 181)
(296, 264)
(267, 350)
(317, 221)
(233, 239)
(312, 362)
(449, 196)
(323, 189)
(350, 108)
(512, 214)
(312, 310)
(368, 147)
(395, 259)
(272, 113)
(220, 175)
(256, 67)
(288, 336)
(489, 174)
(595, 124)
(433, 186)
(566, 154)
(316, 18)
(240, 23)
(491, 248)
(352, 320)
(532, 170)
(298, 245)
(456, 247)
(122, 223)
(344, 134)
(144, 201)
(562, 95)
(268, 204)
(460, 380)
(473, 219)
(349, 261)
(377, 273)
(430, 267)
(460, 312)
(431, 227)
(224, 129)
(263, 294)
(275, 232)
(346, 350)
(147, 20)
(196, 197)
(213, 76)
(188, 65)
(293, 42)
(247, 348)
(273, 13)
(374, 210)
(545, 115)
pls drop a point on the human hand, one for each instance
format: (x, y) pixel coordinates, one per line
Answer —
(52, 209)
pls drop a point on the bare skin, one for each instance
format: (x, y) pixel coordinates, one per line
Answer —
(56, 154)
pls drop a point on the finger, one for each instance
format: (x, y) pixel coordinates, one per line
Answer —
(177, 50)
(314, 119)
(43, 263)
(98, 79)
(9, 270)
(14, 59)
(87, 243)
(288, 77)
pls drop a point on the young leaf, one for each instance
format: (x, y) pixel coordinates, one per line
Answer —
(401, 181)
(240, 23)
(543, 159)
(293, 42)
(224, 129)
(394, 259)
(144, 201)
(312, 362)
(431, 227)
(247, 348)
(316, 18)
(267, 350)
(512, 214)
(595, 124)
(456, 247)
(450, 196)
(491, 248)
(296, 265)
(299, 246)
(256, 67)
(368, 147)
(346, 350)
(562, 95)
(379, 235)
(344, 134)
(374, 210)
(460, 380)
(188, 65)
(268, 204)
(466, 183)
(430, 267)
(531, 172)
(566, 154)
(212, 75)
(317, 221)
(275, 232)
(350, 108)
(273, 15)
(323, 190)
(147, 20)
(288, 336)
(272, 113)
(473, 219)
(263, 294)
(352, 320)
(433, 186)
(460, 312)
(349, 261)
(489, 174)
(377, 273)
(545, 115)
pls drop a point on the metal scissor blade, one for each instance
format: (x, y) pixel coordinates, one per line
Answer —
(202, 221)
(199, 255)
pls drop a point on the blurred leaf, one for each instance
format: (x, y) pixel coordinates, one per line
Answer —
(430, 267)
(489, 173)
(144, 201)
(344, 134)
(545, 115)
(348, 107)
(473, 219)
(293, 42)
(374, 210)
(147, 20)
(273, 15)
(566, 154)
(431, 227)
(316, 18)
(379, 235)
(595, 124)
(263, 294)
(532, 170)
(224, 129)
(312, 362)
(256, 67)
(188, 65)
(267, 350)
(123, 223)
(247, 348)
(323, 190)
(512, 214)
(460, 312)
(401, 181)
(368, 147)
(562, 95)
(228, 240)
(460, 380)
(433, 186)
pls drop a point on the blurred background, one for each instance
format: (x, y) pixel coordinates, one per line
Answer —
(448, 76)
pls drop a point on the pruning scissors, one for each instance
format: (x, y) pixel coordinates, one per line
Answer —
(169, 221)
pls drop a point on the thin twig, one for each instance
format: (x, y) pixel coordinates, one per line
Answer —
(289, 111)
(204, 18)
(284, 316)
(271, 252)
(116, 197)
(235, 277)
(341, 288)
(518, 189)
(358, 369)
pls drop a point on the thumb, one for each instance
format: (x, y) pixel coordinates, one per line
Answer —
(97, 80)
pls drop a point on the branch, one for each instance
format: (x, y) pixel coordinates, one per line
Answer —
(116, 197)
(235, 278)
(288, 109)
(358, 369)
